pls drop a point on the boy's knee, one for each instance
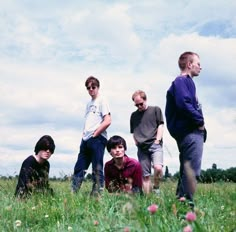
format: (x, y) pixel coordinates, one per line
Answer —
(158, 168)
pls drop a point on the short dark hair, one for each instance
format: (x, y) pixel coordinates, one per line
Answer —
(93, 80)
(45, 143)
(115, 141)
(185, 58)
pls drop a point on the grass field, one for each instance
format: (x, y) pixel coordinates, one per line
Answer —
(215, 210)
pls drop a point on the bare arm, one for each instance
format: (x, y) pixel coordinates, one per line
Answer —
(103, 126)
(160, 131)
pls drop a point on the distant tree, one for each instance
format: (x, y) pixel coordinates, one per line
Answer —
(167, 174)
(230, 174)
(214, 166)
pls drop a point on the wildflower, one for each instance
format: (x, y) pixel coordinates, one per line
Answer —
(126, 229)
(191, 216)
(182, 199)
(70, 228)
(127, 208)
(152, 208)
(46, 216)
(18, 223)
(174, 209)
(187, 228)
(8, 208)
(33, 208)
(95, 222)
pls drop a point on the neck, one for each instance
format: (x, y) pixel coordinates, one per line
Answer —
(185, 73)
(38, 159)
(119, 162)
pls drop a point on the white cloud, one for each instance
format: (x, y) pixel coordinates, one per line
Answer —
(46, 53)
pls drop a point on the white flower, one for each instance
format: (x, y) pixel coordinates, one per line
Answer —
(18, 223)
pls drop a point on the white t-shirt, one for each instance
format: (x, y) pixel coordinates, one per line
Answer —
(95, 111)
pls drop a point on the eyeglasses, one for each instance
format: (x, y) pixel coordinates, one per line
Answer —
(91, 87)
(139, 104)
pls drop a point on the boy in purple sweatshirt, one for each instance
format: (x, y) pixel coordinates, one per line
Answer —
(185, 123)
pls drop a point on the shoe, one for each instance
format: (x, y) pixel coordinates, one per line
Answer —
(75, 184)
(96, 191)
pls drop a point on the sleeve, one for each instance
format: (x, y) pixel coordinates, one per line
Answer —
(159, 116)
(24, 180)
(184, 101)
(107, 177)
(131, 124)
(105, 109)
(137, 178)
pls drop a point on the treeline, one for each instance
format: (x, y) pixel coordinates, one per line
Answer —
(214, 174)
(210, 175)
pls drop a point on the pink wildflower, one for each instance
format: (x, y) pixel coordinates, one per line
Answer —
(152, 208)
(187, 228)
(126, 229)
(182, 199)
(95, 222)
(191, 216)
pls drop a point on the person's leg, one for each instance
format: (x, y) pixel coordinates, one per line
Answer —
(145, 162)
(191, 155)
(81, 166)
(178, 189)
(157, 160)
(97, 147)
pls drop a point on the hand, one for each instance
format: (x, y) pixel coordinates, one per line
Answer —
(201, 127)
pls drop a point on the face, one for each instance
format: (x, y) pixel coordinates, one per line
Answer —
(140, 103)
(92, 90)
(195, 66)
(44, 155)
(118, 151)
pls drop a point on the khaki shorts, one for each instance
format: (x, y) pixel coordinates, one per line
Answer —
(150, 157)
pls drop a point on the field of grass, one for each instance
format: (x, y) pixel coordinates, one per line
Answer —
(215, 210)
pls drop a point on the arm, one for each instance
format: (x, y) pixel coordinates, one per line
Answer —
(103, 126)
(137, 179)
(135, 141)
(184, 98)
(159, 135)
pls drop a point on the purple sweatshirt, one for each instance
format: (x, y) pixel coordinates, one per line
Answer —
(183, 112)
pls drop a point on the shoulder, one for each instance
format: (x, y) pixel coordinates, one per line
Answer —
(136, 112)
(29, 159)
(109, 163)
(130, 160)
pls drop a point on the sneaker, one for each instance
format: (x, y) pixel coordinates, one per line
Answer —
(96, 191)
(75, 184)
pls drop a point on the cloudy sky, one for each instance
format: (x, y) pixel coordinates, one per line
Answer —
(49, 48)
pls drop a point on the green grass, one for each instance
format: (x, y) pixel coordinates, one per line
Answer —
(215, 210)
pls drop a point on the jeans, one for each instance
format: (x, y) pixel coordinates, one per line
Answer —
(190, 157)
(91, 151)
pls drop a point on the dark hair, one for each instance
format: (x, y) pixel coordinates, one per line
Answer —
(45, 143)
(93, 80)
(185, 58)
(115, 141)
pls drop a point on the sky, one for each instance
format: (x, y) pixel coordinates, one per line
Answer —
(49, 48)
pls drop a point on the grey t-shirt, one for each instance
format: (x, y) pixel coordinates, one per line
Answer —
(144, 124)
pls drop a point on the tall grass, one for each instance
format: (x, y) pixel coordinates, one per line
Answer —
(215, 210)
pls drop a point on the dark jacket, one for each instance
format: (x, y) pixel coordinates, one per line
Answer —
(183, 111)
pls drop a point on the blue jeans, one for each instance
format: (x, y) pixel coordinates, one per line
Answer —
(190, 157)
(91, 151)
